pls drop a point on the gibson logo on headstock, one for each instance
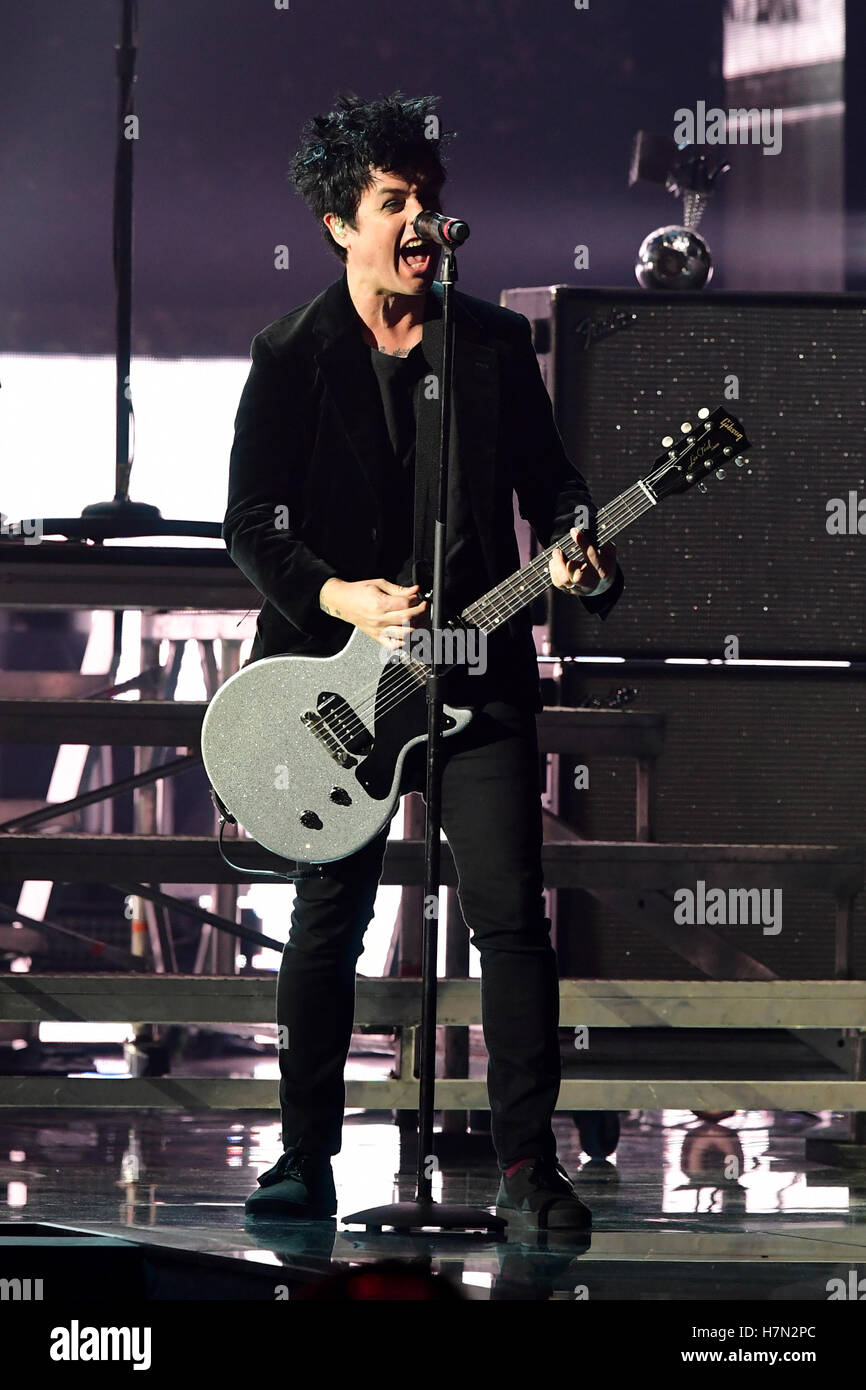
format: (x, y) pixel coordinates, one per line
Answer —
(728, 424)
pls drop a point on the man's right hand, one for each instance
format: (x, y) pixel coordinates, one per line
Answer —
(384, 611)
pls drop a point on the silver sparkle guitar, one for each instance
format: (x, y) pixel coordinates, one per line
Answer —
(307, 752)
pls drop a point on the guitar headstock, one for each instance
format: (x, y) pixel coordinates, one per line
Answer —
(705, 447)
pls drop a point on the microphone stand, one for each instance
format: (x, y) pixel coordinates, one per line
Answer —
(424, 1215)
(120, 512)
(121, 517)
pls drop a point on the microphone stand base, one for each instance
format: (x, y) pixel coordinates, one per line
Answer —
(405, 1218)
(122, 510)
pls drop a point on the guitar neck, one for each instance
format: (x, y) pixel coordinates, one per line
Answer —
(520, 588)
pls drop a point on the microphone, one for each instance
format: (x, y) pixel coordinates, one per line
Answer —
(445, 231)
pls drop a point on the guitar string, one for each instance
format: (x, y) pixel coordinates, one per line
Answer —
(416, 671)
(411, 676)
(501, 602)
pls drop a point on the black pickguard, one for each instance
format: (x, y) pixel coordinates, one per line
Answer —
(394, 726)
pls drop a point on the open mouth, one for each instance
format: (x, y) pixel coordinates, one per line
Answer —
(418, 255)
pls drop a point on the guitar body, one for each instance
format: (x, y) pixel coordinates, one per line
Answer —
(307, 752)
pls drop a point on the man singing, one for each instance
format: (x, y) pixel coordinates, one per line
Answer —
(336, 406)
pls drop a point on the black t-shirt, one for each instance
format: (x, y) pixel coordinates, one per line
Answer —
(401, 383)
(398, 379)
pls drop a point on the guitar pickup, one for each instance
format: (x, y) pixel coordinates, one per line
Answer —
(320, 729)
(343, 724)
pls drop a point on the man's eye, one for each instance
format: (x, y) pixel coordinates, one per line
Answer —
(393, 203)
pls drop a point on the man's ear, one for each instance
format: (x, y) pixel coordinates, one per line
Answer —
(338, 226)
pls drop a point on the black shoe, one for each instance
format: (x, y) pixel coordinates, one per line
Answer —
(598, 1130)
(598, 1171)
(540, 1197)
(299, 1187)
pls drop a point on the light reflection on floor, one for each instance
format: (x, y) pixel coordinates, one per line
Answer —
(685, 1208)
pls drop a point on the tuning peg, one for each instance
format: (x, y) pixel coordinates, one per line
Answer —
(720, 473)
(703, 413)
(686, 427)
(667, 441)
(702, 487)
(739, 461)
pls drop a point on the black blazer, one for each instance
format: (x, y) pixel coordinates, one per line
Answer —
(305, 479)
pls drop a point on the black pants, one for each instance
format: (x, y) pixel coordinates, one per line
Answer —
(491, 815)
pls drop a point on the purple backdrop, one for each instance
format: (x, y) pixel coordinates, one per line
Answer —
(544, 98)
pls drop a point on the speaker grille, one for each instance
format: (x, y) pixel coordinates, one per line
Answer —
(745, 761)
(752, 558)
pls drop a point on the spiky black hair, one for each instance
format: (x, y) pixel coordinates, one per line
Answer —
(332, 168)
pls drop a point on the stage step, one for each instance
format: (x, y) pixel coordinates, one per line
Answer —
(152, 578)
(35, 688)
(385, 1004)
(119, 723)
(84, 858)
(199, 1094)
(177, 723)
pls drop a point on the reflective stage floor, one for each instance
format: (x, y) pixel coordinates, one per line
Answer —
(683, 1209)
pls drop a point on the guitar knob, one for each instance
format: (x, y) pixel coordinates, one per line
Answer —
(667, 441)
(310, 820)
(686, 427)
(703, 413)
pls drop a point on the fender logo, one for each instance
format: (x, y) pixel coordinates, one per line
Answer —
(591, 330)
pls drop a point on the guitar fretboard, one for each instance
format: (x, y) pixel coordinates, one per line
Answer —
(508, 597)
